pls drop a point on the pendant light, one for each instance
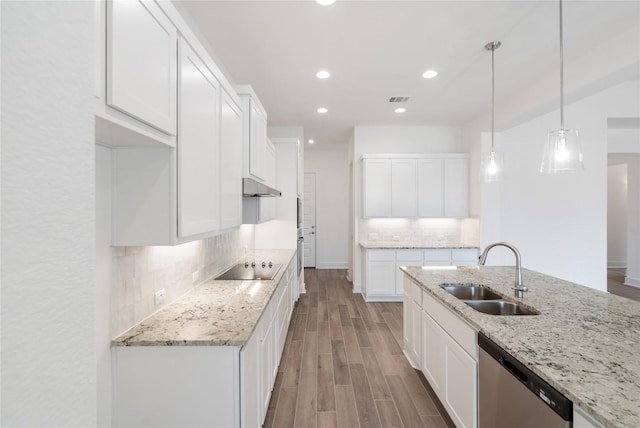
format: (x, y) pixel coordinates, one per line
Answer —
(562, 151)
(492, 163)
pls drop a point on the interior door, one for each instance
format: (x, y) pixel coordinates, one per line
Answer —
(309, 219)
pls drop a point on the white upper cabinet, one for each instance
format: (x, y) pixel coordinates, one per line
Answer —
(456, 188)
(377, 188)
(181, 187)
(141, 63)
(431, 185)
(231, 164)
(254, 135)
(198, 146)
(404, 189)
(416, 185)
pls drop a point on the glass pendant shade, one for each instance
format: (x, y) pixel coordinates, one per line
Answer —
(562, 152)
(492, 166)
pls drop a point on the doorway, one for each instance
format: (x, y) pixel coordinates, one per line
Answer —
(309, 219)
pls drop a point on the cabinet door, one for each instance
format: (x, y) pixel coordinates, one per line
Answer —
(250, 383)
(141, 63)
(456, 188)
(416, 330)
(198, 146)
(461, 385)
(430, 188)
(231, 163)
(437, 257)
(433, 354)
(381, 279)
(407, 330)
(404, 202)
(377, 188)
(257, 142)
(405, 258)
(268, 205)
(266, 362)
(464, 257)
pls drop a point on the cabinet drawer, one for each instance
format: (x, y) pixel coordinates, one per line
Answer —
(413, 290)
(381, 255)
(464, 255)
(408, 256)
(459, 330)
(438, 255)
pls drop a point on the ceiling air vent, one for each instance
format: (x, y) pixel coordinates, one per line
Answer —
(399, 99)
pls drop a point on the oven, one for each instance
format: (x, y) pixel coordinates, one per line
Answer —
(300, 249)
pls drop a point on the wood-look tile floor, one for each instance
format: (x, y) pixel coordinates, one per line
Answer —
(616, 285)
(343, 365)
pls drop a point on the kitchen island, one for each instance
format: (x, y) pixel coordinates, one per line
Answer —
(584, 342)
(210, 357)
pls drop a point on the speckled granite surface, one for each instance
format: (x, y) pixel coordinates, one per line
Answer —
(585, 343)
(411, 245)
(215, 313)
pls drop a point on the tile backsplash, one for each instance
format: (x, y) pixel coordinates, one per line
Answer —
(139, 272)
(425, 231)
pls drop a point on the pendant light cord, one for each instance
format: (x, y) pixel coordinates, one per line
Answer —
(493, 90)
(561, 73)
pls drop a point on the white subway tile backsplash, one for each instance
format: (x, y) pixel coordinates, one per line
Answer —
(138, 272)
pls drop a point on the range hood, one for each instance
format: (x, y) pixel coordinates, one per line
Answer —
(253, 188)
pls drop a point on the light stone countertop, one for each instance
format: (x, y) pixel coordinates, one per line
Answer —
(214, 313)
(412, 245)
(586, 343)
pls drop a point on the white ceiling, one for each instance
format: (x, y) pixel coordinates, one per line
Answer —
(379, 49)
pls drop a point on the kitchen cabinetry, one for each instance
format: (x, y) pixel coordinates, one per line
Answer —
(383, 279)
(198, 146)
(582, 420)
(176, 189)
(416, 185)
(261, 209)
(412, 310)
(447, 355)
(255, 134)
(231, 161)
(213, 386)
(137, 80)
(377, 187)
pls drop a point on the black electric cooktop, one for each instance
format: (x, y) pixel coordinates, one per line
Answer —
(248, 271)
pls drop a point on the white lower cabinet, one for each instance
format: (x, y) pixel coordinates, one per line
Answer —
(196, 386)
(383, 279)
(447, 354)
(582, 420)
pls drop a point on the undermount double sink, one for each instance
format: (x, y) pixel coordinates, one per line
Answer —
(486, 301)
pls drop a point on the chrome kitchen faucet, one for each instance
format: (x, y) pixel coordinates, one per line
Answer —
(519, 288)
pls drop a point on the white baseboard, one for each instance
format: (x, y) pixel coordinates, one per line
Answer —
(634, 282)
(612, 264)
(357, 287)
(349, 278)
(332, 265)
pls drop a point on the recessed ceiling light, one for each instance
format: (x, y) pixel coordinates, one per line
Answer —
(323, 74)
(326, 2)
(322, 110)
(400, 110)
(311, 141)
(429, 74)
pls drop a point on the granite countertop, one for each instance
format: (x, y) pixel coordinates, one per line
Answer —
(411, 245)
(586, 343)
(215, 313)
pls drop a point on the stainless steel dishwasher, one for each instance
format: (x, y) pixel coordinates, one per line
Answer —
(510, 395)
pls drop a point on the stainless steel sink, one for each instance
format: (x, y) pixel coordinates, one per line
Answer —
(470, 292)
(500, 307)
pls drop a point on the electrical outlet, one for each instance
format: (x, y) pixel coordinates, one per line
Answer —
(195, 277)
(159, 297)
(373, 236)
(396, 238)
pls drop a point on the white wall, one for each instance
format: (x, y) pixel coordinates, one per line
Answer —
(331, 167)
(48, 215)
(559, 221)
(617, 216)
(393, 139)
